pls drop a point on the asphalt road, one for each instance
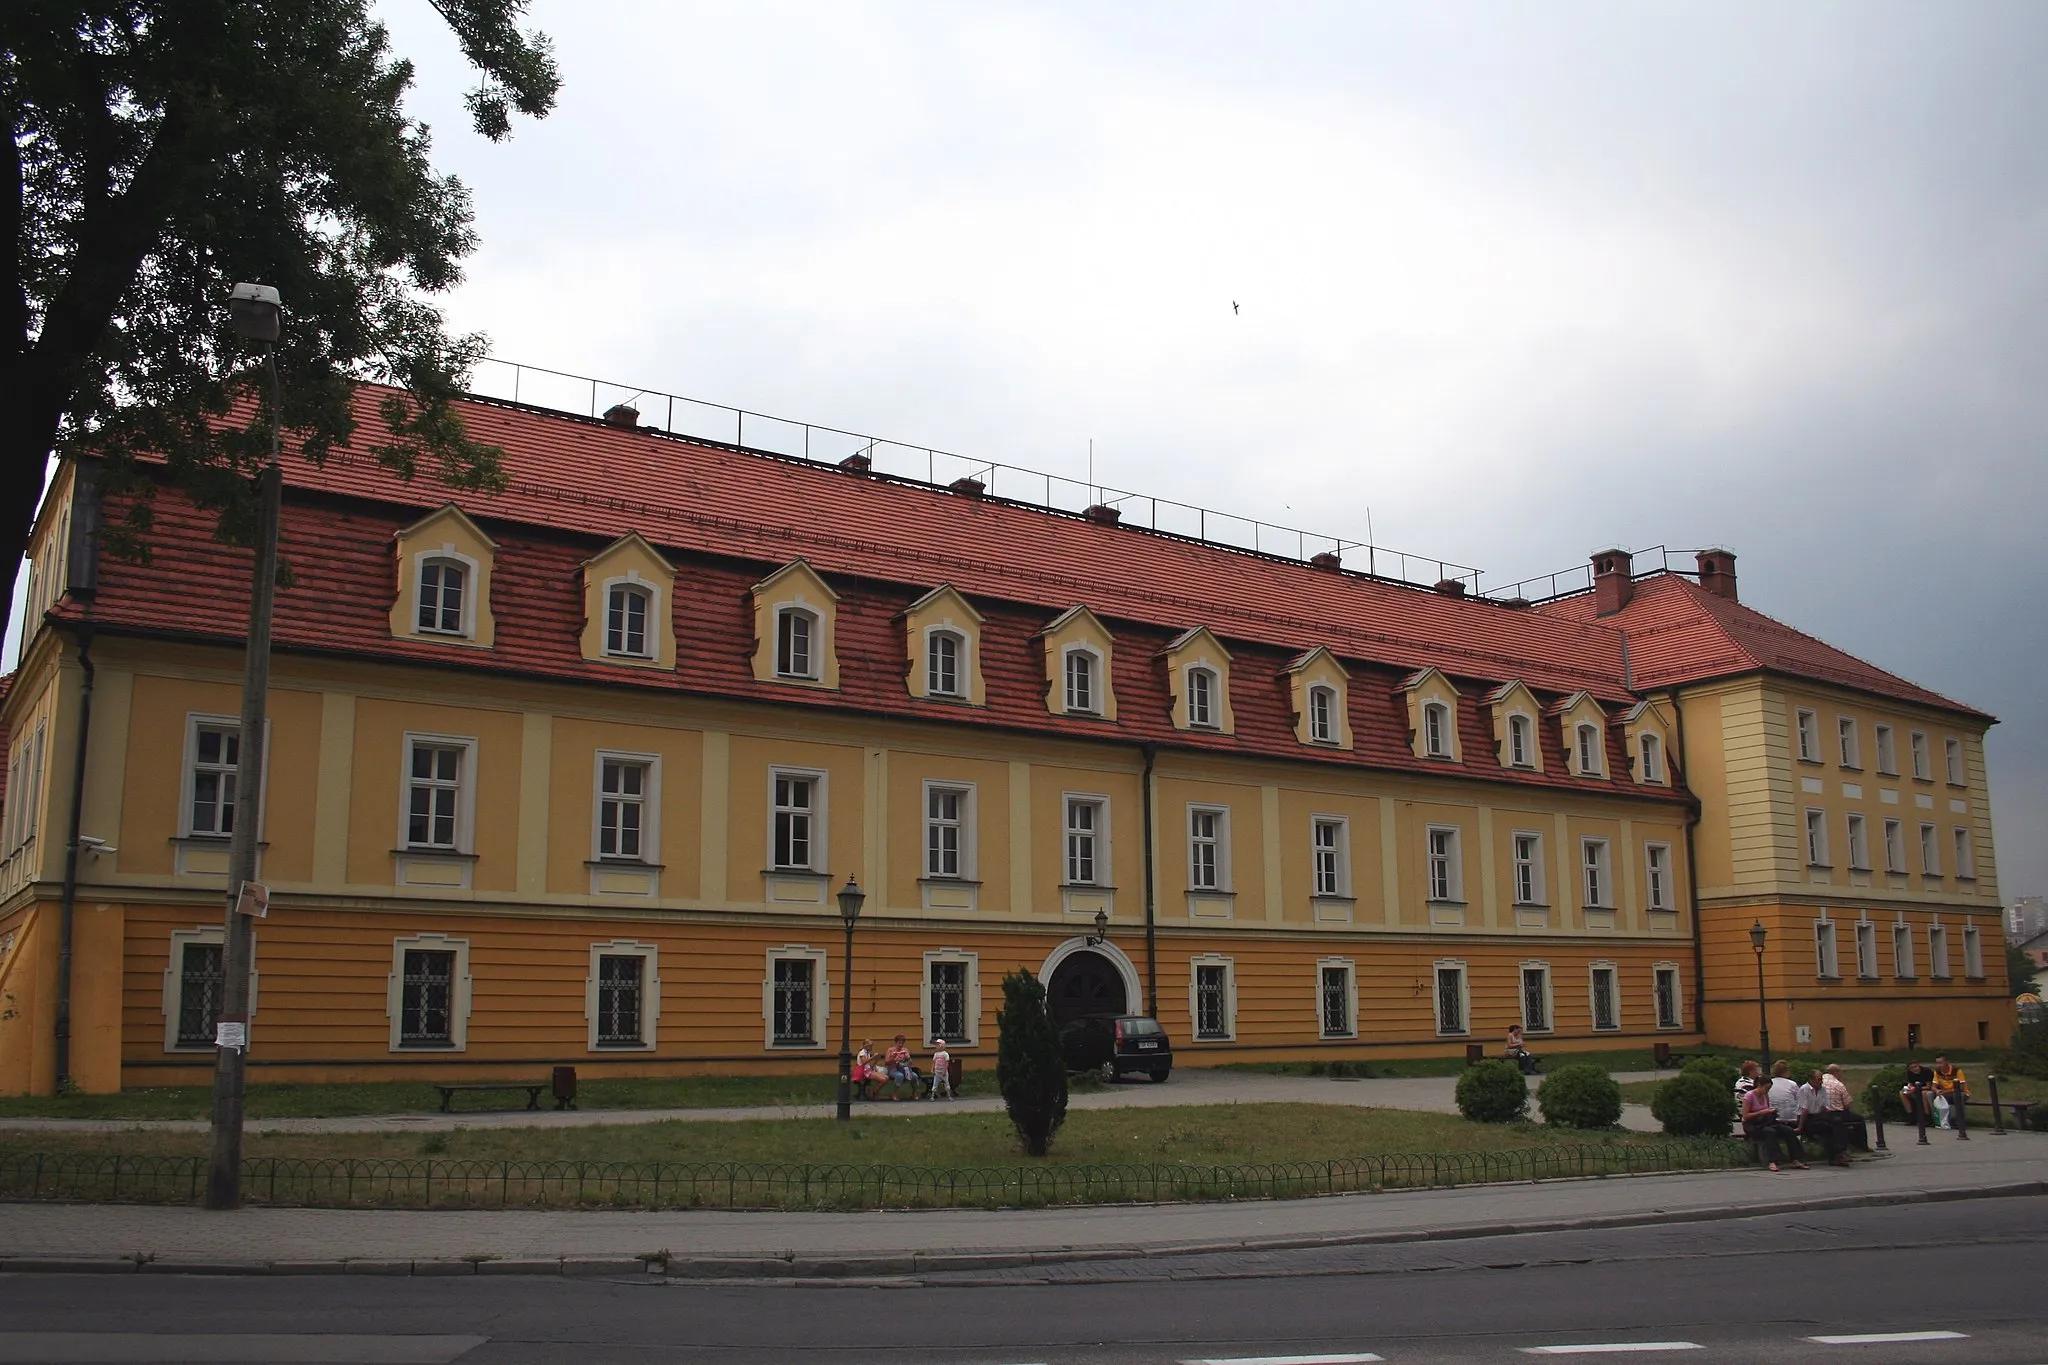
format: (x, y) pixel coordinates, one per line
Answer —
(1747, 1290)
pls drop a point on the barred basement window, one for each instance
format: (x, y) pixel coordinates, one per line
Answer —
(1450, 1000)
(947, 987)
(201, 978)
(1337, 986)
(794, 1002)
(1667, 998)
(1536, 999)
(621, 993)
(1605, 1013)
(427, 999)
(216, 756)
(1212, 1003)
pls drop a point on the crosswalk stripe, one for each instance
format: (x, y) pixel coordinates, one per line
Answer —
(1610, 1348)
(1888, 1338)
(1356, 1358)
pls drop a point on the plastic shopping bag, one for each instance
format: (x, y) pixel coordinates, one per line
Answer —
(1941, 1111)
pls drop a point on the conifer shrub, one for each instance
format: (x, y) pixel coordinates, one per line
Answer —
(1029, 1068)
(2028, 1055)
(1580, 1095)
(1694, 1104)
(1493, 1091)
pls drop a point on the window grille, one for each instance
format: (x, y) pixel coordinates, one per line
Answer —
(1603, 999)
(1450, 1000)
(1667, 997)
(427, 998)
(1336, 997)
(1212, 986)
(201, 979)
(794, 1000)
(1536, 999)
(620, 991)
(947, 988)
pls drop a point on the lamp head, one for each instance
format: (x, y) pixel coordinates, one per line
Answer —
(256, 312)
(1756, 937)
(851, 898)
(1101, 923)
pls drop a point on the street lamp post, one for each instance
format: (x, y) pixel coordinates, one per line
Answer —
(851, 897)
(1763, 1018)
(257, 313)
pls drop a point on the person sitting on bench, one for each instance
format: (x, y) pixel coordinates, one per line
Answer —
(1518, 1053)
(901, 1071)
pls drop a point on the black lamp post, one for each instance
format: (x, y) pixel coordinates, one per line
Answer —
(1763, 1019)
(851, 898)
(1101, 934)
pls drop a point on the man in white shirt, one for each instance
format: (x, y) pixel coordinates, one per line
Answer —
(1816, 1122)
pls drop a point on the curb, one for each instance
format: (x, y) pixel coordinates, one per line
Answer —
(906, 1269)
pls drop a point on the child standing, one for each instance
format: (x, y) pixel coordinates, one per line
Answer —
(942, 1071)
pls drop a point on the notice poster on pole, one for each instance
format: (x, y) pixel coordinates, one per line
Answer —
(254, 900)
(231, 1032)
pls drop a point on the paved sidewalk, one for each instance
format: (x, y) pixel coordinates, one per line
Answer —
(702, 1244)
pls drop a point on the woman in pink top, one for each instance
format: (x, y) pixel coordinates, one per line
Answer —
(1760, 1121)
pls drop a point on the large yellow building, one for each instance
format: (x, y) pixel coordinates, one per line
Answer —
(573, 772)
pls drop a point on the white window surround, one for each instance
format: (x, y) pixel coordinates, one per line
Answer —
(650, 994)
(821, 998)
(1548, 1000)
(1827, 952)
(1659, 971)
(935, 662)
(970, 1007)
(1808, 728)
(1866, 950)
(1657, 887)
(1464, 1021)
(1850, 737)
(1937, 950)
(1074, 686)
(818, 861)
(1349, 970)
(1530, 887)
(193, 721)
(472, 581)
(1203, 688)
(465, 794)
(1324, 723)
(650, 594)
(1965, 853)
(963, 825)
(1903, 965)
(1923, 764)
(1103, 867)
(1930, 850)
(1651, 749)
(1228, 966)
(1894, 846)
(796, 652)
(1438, 727)
(1588, 744)
(1596, 874)
(173, 981)
(1952, 754)
(1444, 864)
(1816, 837)
(1521, 740)
(1887, 751)
(1329, 839)
(1973, 952)
(459, 991)
(1214, 866)
(1613, 971)
(650, 807)
(1859, 843)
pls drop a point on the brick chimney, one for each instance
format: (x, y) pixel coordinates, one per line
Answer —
(622, 415)
(968, 488)
(1102, 512)
(856, 463)
(1612, 584)
(1451, 587)
(1328, 559)
(1717, 572)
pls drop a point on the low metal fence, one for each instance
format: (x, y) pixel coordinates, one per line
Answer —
(454, 1183)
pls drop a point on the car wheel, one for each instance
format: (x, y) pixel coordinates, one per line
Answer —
(1160, 1073)
(1109, 1073)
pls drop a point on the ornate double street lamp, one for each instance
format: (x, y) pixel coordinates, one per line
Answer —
(851, 898)
(257, 314)
(1763, 1018)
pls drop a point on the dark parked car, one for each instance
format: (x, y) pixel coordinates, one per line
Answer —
(1117, 1043)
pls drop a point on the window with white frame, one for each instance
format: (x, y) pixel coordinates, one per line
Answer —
(1201, 684)
(627, 607)
(438, 786)
(1337, 997)
(1952, 750)
(1887, 752)
(625, 995)
(1866, 950)
(1322, 714)
(1973, 953)
(796, 836)
(1894, 846)
(1330, 845)
(210, 786)
(1809, 736)
(1589, 751)
(948, 830)
(1665, 985)
(426, 998)
(1902, 952)
(1208, 848)
(1596, 862)
(1436, 729)
(796, 635)
(1923, 767)
(1930, 851)
(1528, 868)
(1606, 996)
(796, 1004)
(1212, 1004)
(1966, 858)
(199, 981)
(1657, 877)
(1859, 844)
(1652, 749)
(625, 789)
(1816, 838)
(1536, 997)
(1851, 745)
(1521, 741)
(943, 651)
(1452, 1014)
(442, 596)
(1446, 871)
(1086, 834)
(1937, 951)
(1827, 958)
(1082, 691)
(949, 997)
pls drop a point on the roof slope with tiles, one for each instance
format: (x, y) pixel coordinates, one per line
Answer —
(1678, 632)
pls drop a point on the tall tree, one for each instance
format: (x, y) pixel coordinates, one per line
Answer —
(2019, 971)
(160, 151)
(1030, 1071)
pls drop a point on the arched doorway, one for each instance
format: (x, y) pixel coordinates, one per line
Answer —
(1085, 982)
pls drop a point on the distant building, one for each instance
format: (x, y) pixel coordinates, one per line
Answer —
(2026, 918)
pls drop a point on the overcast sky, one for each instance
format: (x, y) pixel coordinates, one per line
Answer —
(1523, 280)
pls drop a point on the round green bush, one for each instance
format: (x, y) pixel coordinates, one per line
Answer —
(1721, 1069)
(1694, 1104)
(1883, 1093)
(1493, 1091)
(1581, 1095)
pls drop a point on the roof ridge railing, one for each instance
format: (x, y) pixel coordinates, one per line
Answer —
(1579, 578)
(541, 387)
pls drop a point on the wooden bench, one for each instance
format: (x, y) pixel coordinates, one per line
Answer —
(2018, 1109)
(449, 1092)
(1665, 1058)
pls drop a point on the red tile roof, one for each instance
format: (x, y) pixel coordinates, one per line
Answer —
(1678, 632)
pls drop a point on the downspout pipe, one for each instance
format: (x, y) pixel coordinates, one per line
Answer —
(1692, 879)
(67, 909)
(1151, 754)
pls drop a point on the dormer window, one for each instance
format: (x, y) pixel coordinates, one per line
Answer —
(795, 634)
(625, 620)
(1080, 672)
(1521, 742)
(1202, 698)
(1589, 751)
(441, 595)
(1652, 749)
(942, 664)
(1436, 730)
(1322, 714)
